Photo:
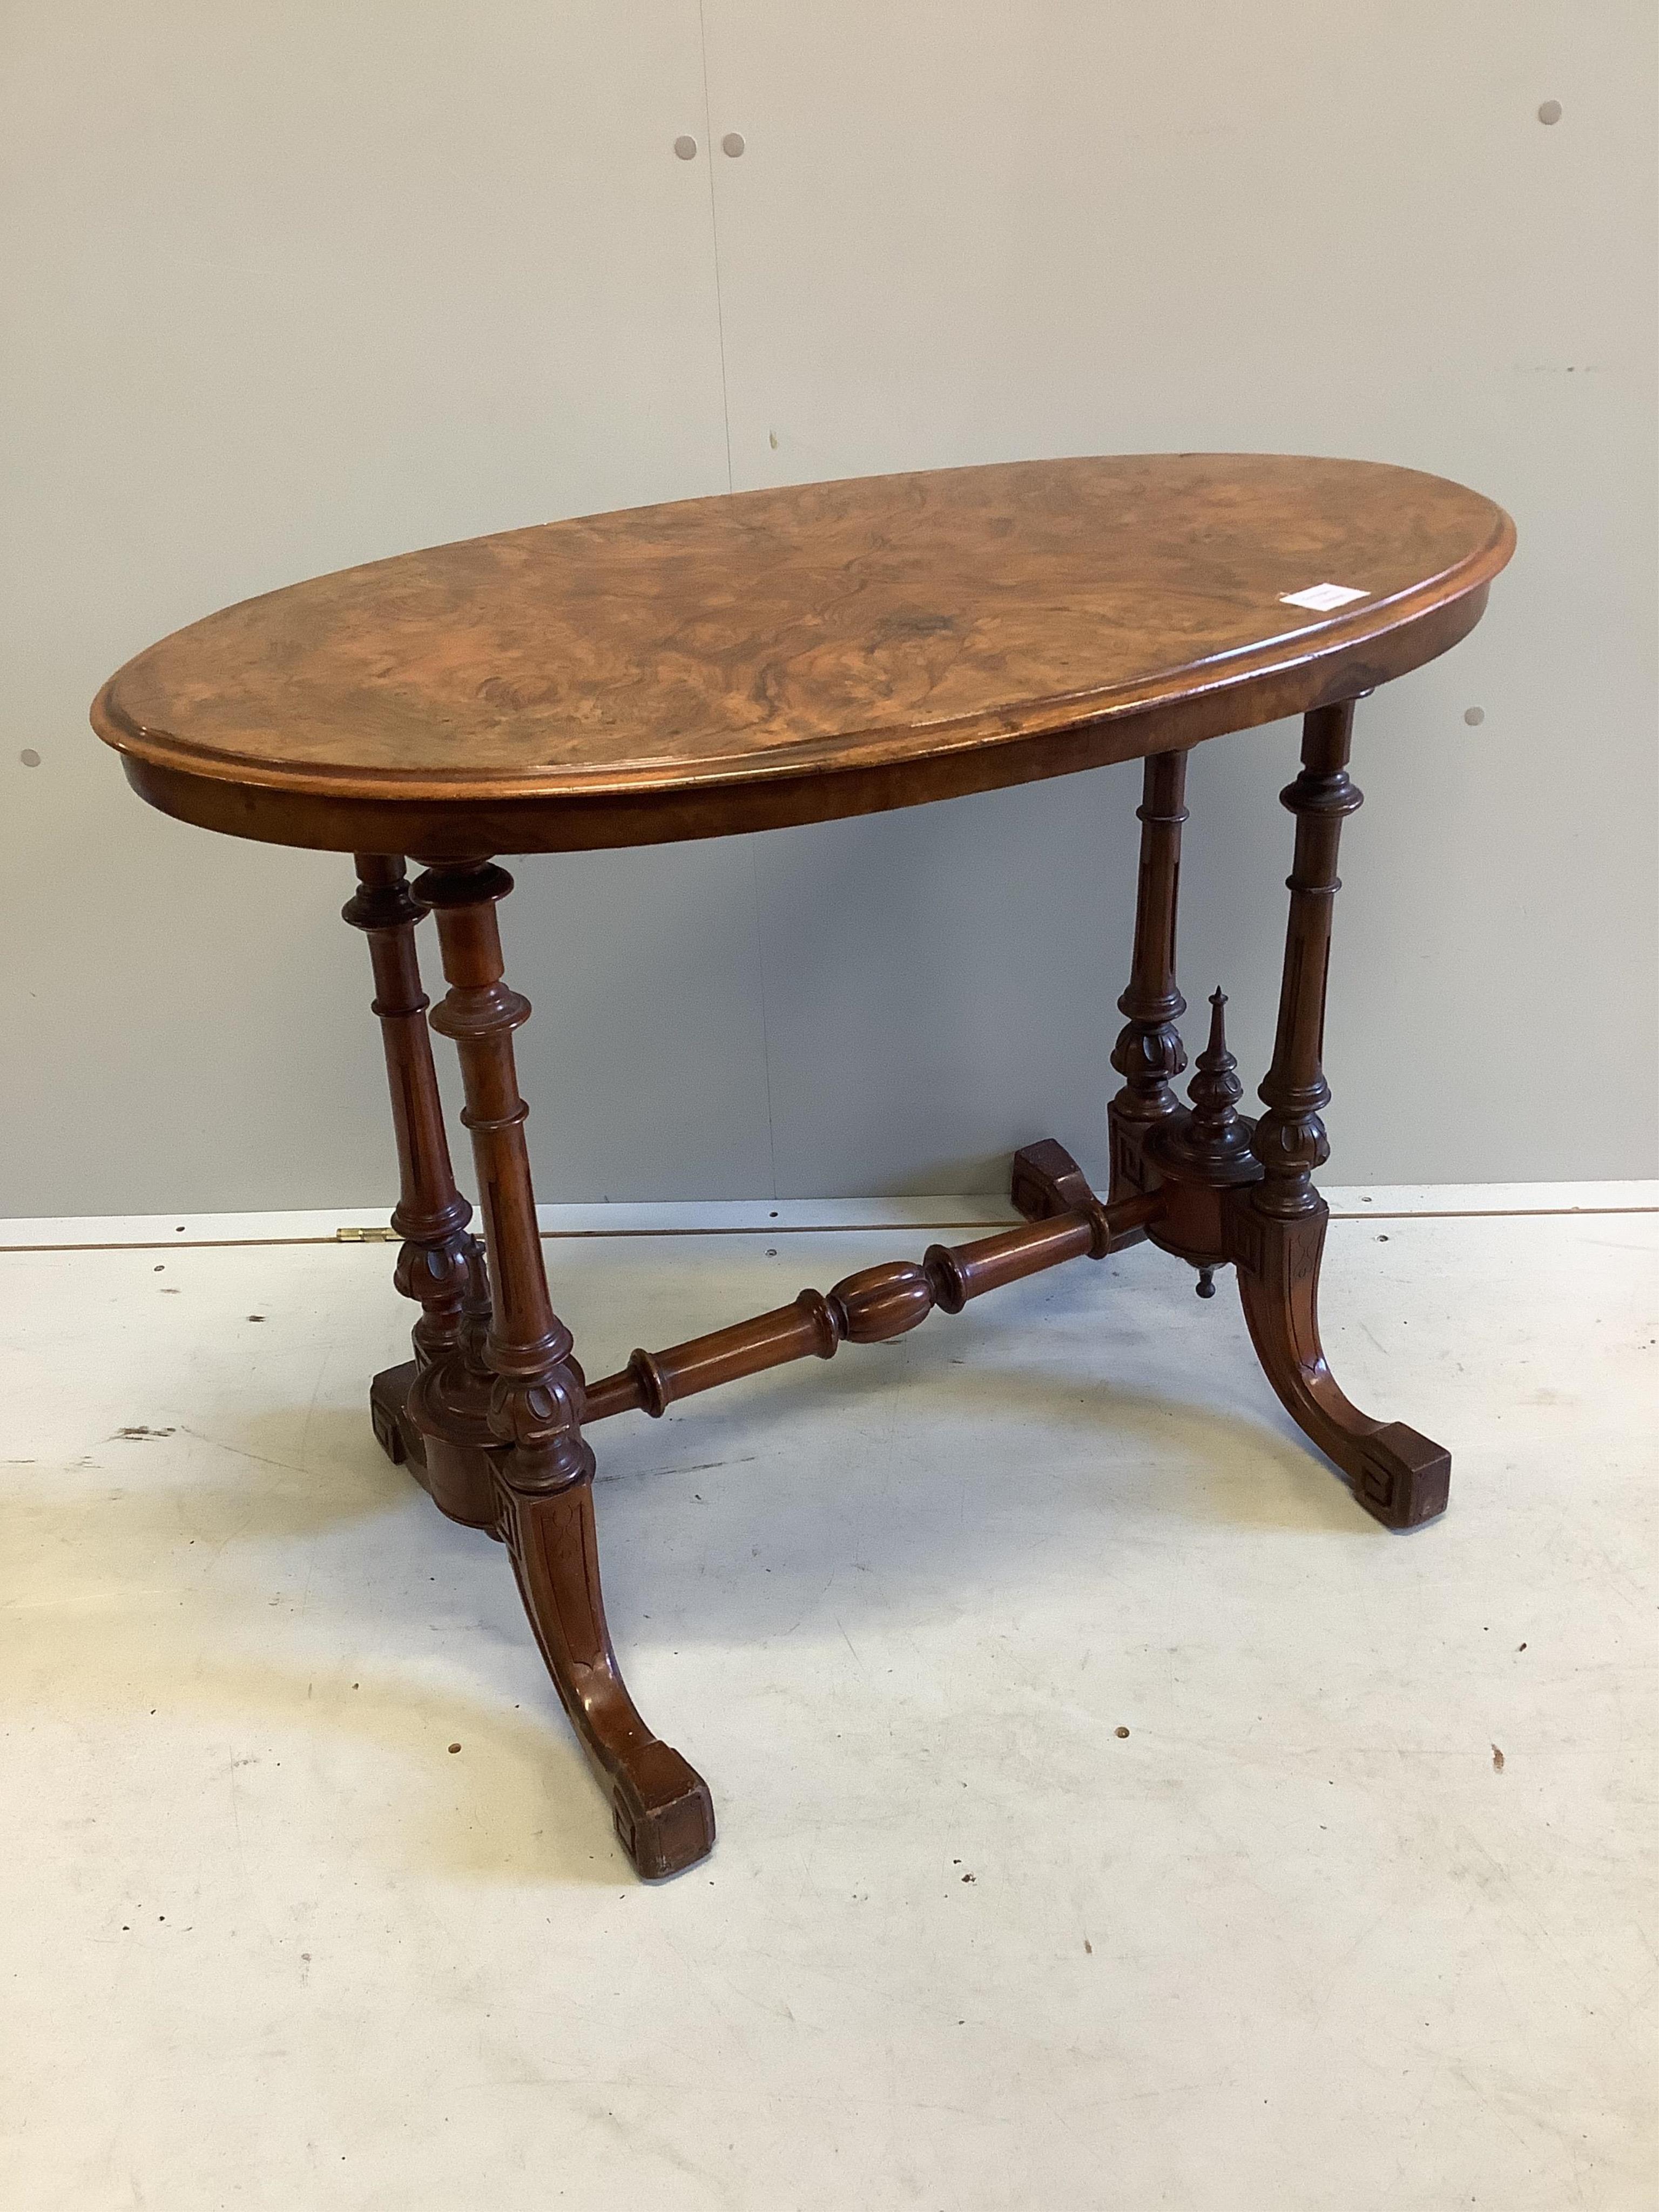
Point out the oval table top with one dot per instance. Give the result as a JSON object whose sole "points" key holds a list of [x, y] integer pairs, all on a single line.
{"points": [[792, 655]]}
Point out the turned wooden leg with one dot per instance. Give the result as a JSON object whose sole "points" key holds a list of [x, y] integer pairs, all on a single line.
{"points": [[1276, 1227], [661, 1806], [1148, 1055], [440, 1265]]}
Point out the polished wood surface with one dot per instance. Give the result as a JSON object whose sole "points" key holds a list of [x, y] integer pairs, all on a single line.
{"points": [[1148, 1054], [544, 1469], [792, 655], [441, 1265], [873, 1306]]}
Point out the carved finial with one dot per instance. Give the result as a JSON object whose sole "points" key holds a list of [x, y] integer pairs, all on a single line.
{"points": [[1215, 1090], [1207, 1147]]}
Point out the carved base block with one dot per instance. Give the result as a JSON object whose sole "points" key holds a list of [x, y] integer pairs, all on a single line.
{"points": [[1045, 1180], [395, 1433], [1130, 1174], [1402, 1478], [459, 1479], [663, 1814]]}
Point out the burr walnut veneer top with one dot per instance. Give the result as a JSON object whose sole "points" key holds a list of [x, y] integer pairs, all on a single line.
{"points": [[793, 655]]}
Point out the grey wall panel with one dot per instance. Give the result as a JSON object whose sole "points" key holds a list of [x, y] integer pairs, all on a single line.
{"points": [[287, 288], [645, 1062], [292, 287], [938, 984], [964, 232]]}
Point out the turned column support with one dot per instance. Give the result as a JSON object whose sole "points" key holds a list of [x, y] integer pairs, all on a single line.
{"points": [[660, 1806], [438, 1257], [440, 1265], [1289, 1137], [535, 1407], [1274, 1229], [1148, 1053]]}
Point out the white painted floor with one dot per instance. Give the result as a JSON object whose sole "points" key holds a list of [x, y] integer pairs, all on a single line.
{"points": [[1300, 1940]]}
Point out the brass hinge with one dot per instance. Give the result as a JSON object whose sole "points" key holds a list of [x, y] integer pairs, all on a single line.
{"points": [[365, 1237]]}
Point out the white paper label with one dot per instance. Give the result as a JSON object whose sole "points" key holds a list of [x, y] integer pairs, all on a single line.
{"points": [[1321, 598]]}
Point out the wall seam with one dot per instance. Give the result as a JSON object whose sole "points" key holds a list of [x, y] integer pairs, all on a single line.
{"points": [[714, 235]]}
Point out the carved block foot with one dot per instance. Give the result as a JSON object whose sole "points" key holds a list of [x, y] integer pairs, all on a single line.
{"points": [[1046, 1180], [1400, 1478], [663, 1812]]}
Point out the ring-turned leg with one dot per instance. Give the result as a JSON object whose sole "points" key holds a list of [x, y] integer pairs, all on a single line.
{"points": [[1276, 1228], [440, 1265], [1148, 1054], [662, 1809]]}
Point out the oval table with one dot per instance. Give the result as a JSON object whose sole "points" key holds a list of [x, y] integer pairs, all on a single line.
{"points": [[789, 656]]}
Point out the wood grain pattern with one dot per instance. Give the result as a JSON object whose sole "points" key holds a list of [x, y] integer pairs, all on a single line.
{"points": [[792, 655]]}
